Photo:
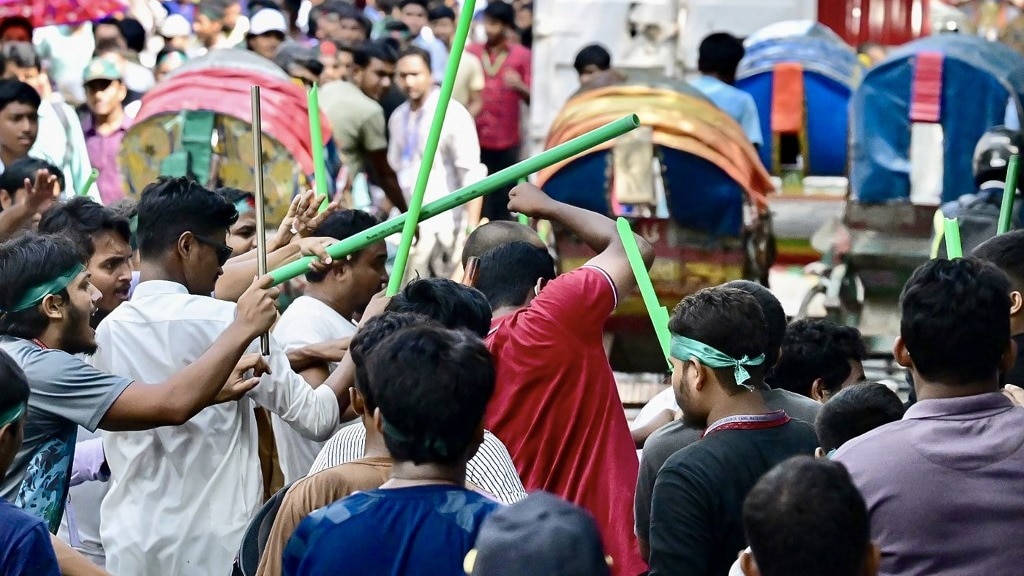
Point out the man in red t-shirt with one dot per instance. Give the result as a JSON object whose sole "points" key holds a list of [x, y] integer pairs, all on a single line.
{"points": [[506, 84], [555, 405]]}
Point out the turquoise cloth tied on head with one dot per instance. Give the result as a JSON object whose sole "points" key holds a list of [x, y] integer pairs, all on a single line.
{"points": [[685, 349]]}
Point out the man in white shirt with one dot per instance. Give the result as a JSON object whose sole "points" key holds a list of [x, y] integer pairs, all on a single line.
{"points": [[456, 164], [333, 299], [181, 497]]}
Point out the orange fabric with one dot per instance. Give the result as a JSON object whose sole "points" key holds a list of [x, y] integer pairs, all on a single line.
{"points": [[680, 121], [787, 98]]}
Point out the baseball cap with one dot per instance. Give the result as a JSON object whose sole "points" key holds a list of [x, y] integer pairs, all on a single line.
{"points": [[100, 69], [175, 26], [267, 20], [542, 535]]}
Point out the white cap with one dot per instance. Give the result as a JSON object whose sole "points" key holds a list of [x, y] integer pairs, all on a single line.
{"points": [[267, 20], [175, 26]]}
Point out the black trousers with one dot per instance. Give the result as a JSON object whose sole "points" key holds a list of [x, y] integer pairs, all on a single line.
{"points": [[496, 203]]}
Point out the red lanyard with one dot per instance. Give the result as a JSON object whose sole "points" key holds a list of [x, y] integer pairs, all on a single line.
{"points": [[749, 422]]}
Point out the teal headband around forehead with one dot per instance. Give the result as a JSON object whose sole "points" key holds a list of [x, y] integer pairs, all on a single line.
{"points": [[685, 349], [35, 294], [243, 206], [12, 414]]}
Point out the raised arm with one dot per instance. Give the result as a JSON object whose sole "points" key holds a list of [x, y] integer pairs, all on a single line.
{"points": [[239, 271], [198, 385], [596, 231]]}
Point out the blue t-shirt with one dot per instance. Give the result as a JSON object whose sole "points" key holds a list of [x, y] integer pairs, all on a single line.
{"points": [[734, 102], [25, 548], [422, 530]]}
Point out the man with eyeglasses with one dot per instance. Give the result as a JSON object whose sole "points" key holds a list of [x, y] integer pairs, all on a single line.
{"points": [[206, 471]]}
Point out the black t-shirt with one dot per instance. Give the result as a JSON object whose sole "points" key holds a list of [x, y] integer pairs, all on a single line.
{"points": [[696, 511]]}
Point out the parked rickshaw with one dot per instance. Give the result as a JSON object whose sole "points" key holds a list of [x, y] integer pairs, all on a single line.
{"points": [[692, 185], [197, 123], [915, 120]]}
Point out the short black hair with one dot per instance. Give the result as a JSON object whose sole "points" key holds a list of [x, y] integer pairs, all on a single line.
{"points": [[813, 349], [13, 177], [1006, 252], [441, 12], [455, 306], [806, 516], [374, 50], [372, 333], [955, 320], [405, 3], [774, 316], [510, 272], [417, 52], [235, 195], [720, 53], [172, 206], [16, 22], [14, 390], [16, 91], [432, 386], [215, 9], [80, 218], [592, 54], [501, 12], [29, 260], [855, 411], [341, 225], [22, 55], [727, 319], [134, 34], [493, 234], [348, 12]]}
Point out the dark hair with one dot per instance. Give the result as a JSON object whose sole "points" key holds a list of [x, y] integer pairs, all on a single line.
{"points": [[14, 390], [129, 210], [349, 12], [22, 55], [592, 54], [16, 22], [815, 349], [494, 234], [1006, 252], [341, 225], [455, 306], [405, 3], [720, 53], [955, 320], [370, 334], [727, 319], [417, 52], [172, 206], [215, 9], [234, 195], [16, 91], [134, 34], [80, 218], [27, 261], [432, 386], [373, 49], [805, 516], [501, 12], [440, 13], [13, 177], [774, 316], [510, 272], [106, 46], [854, 411]]}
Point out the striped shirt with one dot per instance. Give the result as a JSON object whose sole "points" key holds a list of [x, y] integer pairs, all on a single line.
{"points": [[491, 468]]}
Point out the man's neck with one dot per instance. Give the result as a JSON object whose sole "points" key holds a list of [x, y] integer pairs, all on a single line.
{"points": [[504, 311], [318, 292], [153, 271], [50, 337], [107, 124], [719, 77], [741, 404], [932, 390], [405, 474], [417, 104], [8, 156], [497, 46], [374, 446]]}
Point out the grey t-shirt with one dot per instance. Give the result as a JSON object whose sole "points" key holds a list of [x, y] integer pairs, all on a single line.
{"points": [[675, 436], [65, 393]]}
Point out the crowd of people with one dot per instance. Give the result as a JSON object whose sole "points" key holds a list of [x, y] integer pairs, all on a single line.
{"points": [[470, 424]]}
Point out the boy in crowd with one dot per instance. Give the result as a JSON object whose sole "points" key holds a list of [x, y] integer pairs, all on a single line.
{"points": [[1006, 252], [819, 358], [855, 411]]}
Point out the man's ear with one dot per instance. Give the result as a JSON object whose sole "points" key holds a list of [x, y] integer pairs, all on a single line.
{"points": [[187, 245], [901, 354], [356, 399], [819, 452], [818, 390], [6, 199], [1016, 301], [747, 563], [702, 374], [541, 283], [53, 306], [378, 420]]}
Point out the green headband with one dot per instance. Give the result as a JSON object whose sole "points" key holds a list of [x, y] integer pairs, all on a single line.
{"points": [[243, 206], [685, 349], [12, 414], [35, 294]]}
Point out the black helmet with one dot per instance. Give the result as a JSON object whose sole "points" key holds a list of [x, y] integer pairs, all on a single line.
{"points": [[993, 151]]}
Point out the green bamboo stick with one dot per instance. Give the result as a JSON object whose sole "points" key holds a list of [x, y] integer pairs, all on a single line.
{"points": [[461, 196], [1009, 191], [952, 233], [657, 312], [84, 190], [433, 137], [316, 137]]}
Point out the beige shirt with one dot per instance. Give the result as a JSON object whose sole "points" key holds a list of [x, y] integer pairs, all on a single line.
{"points": [[469, 78], [357, 122]]}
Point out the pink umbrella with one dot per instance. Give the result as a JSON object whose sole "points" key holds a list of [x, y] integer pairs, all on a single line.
{"points": [[51, 12]]}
